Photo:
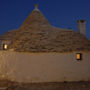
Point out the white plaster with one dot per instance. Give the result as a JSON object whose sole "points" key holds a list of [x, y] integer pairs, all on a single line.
{"points": [[44, 67], [82, 27], [36, 9]]}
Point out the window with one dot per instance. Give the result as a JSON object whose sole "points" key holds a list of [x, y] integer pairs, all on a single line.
{"points": [[5, 46], [79, 56]]}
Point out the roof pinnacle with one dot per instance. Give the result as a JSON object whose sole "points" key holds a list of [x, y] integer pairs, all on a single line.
{"points": [[36, 7]]}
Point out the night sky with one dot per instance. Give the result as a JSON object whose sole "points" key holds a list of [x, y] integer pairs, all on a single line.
{"points": [[60, 13]]}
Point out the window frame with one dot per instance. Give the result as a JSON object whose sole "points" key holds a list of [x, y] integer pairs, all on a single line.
{"points": [[4, 46], [80, 56]]}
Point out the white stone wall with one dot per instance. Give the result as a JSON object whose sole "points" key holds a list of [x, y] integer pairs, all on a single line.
{"points": [[44, 67]]}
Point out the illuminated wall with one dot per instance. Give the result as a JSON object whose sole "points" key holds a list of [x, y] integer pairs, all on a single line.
{"points": [[44, 67]]}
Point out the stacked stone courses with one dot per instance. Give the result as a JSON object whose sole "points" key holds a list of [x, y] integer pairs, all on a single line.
{"points": [[37, 35]]}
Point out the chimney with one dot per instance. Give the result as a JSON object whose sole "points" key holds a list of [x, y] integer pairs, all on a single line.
{"points": [[82, 26]]}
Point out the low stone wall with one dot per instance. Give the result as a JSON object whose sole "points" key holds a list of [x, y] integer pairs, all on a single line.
{"points": [[44, 67]]}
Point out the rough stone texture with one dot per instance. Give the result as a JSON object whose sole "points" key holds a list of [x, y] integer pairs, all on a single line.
{"points": [[37, 35], [8, 35]]}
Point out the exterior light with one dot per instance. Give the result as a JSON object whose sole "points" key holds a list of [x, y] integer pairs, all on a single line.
{"points": [[5, 46], [79, 56]]}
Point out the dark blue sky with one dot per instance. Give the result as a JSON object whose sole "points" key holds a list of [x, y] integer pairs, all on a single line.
{"points": [[60, 13]]}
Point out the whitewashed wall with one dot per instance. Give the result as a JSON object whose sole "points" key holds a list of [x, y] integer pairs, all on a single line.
{"points": [[44, 67]]}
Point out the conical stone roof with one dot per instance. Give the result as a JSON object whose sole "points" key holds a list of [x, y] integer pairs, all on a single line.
{"points": [[37, 35], [35, 18]]}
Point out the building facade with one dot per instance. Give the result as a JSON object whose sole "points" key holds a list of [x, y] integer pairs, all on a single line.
{"points": [[39, 52]]}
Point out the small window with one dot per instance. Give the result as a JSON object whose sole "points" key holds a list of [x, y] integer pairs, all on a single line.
{"points": [[5, 46], [79, 56]]}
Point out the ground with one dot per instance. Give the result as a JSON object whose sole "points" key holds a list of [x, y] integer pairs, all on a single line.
{"points": [[82, 85]]}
